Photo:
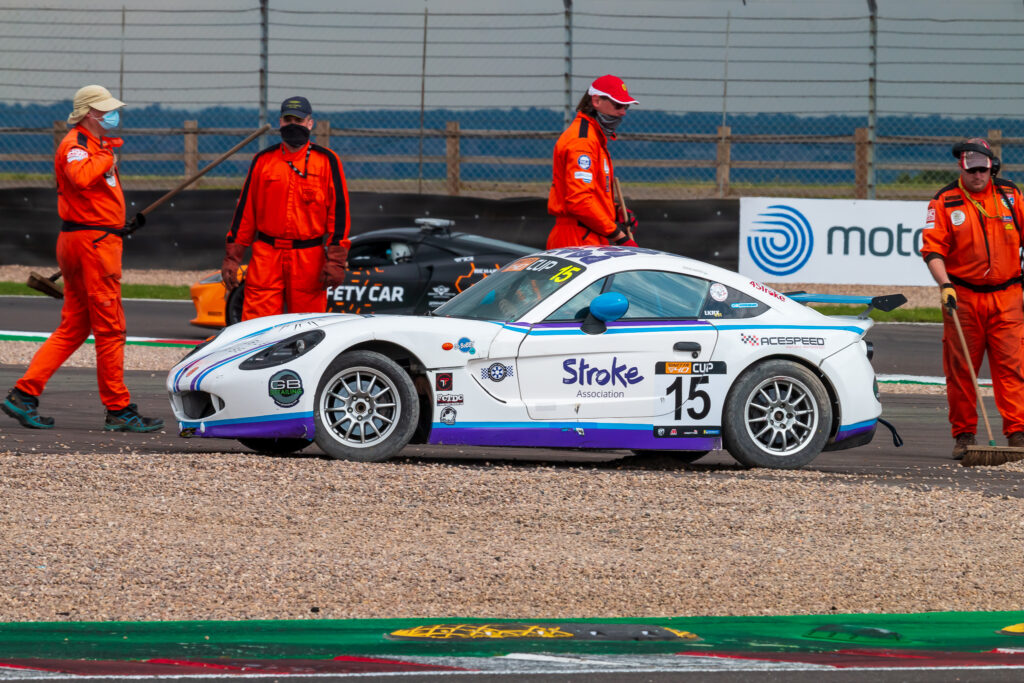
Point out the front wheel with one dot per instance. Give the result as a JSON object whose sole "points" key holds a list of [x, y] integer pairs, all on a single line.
{"points": [[234, 305], [366, 408], [778, 415]]}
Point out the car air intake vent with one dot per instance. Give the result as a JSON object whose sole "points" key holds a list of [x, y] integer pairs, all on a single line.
{"points": [[197, 404]]}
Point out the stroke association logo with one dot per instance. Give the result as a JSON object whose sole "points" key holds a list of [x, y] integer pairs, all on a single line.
{"points": [[785, 246]]}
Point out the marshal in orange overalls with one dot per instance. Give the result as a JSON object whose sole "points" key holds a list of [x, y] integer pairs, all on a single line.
{"points": [[91, 203], [581, 196], [982, 257], [292, 204]]}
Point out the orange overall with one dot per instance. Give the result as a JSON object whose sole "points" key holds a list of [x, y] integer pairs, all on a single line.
{"points": [[292, 204], [581, 196], [982, 257], [91, 203]]}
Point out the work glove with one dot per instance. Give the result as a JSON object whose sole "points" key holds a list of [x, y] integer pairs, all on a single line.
{"points": [[627, 226], [134, 224], [627, 238], [233, 254], [337, 264], [630, 222], [948, 294]]}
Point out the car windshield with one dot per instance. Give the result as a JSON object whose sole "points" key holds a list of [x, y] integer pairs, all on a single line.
{"points": [[513, 290]]}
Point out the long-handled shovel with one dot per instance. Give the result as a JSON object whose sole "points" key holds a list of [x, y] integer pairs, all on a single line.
{"points": [[48, 285], [982, 455], [622, 206]]}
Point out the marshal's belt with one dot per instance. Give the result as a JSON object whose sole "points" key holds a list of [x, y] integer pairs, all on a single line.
{"points": [[68, 226], [985, 289], [284, 243]]}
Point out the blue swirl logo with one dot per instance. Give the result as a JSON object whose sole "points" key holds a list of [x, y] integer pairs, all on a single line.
{"points": [[784, 247]]}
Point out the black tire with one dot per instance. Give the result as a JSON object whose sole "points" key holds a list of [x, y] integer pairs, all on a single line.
{"points": [[275, 446], [683, 456], [233, 306], [777, 415], [366, 408]]}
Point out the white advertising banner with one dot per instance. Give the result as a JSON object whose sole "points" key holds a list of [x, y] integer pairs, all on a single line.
{"points": [[837, 241]]}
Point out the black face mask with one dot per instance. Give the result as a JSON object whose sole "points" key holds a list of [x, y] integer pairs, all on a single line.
{"points": [[294, 135], [608, 123]]}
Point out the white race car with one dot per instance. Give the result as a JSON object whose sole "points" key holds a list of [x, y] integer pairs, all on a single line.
{"points": [[584, 348]]}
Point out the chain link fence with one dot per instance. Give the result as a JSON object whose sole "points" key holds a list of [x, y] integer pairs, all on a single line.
{"points": [[830, 99]]}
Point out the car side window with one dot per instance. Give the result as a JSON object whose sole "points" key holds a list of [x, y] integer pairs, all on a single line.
{"points": [[379, 253], [659, 294], [576, 307]]}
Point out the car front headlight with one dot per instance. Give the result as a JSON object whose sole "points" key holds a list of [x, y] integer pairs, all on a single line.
{"points": [[283, 351]]}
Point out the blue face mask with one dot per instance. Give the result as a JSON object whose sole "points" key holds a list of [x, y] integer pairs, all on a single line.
{"points": [[110, 120]]}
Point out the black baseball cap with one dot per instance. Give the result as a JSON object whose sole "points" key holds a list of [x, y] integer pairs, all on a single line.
{"points": [[297, 106]]}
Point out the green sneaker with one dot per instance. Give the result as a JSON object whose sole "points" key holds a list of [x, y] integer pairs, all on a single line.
{"points": [[127, 419], [24, 408]]}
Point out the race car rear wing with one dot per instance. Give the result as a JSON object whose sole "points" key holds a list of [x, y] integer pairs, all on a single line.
{"points": [[885, 303]]}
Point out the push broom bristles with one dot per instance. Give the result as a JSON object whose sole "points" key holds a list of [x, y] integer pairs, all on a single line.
{"points": [[991, 456]]}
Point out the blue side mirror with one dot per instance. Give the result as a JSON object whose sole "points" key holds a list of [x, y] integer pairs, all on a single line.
{"points": [[609, 306]]}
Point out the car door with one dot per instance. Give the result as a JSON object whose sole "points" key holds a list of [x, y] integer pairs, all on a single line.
{"points": [[633, 368], [383, 277]]}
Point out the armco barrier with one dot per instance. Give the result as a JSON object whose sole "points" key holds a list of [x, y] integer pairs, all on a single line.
{"points": [[188, 232]]}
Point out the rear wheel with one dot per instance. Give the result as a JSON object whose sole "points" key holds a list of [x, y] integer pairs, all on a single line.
{"points": [[275, 446], [778, 415], [366, 408]]}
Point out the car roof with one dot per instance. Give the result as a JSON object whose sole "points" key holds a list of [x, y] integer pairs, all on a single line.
{"points": [[443, 237], [600, 261]]}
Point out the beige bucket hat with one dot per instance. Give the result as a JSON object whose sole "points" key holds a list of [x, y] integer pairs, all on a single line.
{"points": [[92, 97]]}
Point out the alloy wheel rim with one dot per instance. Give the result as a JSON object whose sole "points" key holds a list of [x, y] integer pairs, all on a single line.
{"points": [[360, 407], [781, 415]]}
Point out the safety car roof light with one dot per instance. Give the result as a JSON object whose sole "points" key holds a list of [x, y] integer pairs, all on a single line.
{"points": [[435, 225]]}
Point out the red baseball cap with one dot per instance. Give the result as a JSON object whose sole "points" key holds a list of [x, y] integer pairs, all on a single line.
{"points": [[613, 88]]}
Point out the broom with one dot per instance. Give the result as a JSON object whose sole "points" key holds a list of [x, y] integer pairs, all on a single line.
{"points": [[982, 456]]}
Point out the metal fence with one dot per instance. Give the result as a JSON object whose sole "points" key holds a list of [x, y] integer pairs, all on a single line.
{"points": [[832, 98]]}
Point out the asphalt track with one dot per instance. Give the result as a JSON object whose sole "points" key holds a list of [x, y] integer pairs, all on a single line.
{"points": [[899, 349], [923, 462]]}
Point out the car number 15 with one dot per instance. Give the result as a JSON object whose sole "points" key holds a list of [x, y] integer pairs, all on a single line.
{"points": [[688, 387]]}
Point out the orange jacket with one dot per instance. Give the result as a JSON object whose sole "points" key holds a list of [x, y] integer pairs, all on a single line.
{"points": [[88, 186], [277, 201], [581, 187], [977, 249]]}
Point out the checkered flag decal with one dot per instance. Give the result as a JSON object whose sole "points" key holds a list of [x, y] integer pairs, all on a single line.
{"points": [[496, 372], [750, 339]]}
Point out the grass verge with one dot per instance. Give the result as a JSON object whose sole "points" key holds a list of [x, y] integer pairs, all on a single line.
{"points": [[900, 315], [170, 292]]}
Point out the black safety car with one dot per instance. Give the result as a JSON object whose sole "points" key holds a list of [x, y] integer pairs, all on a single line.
{"points": [[408, 270]]}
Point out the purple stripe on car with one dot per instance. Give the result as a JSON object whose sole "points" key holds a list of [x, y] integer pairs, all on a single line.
{"points": [[286, 428], [845, 434], [554, 437]]}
